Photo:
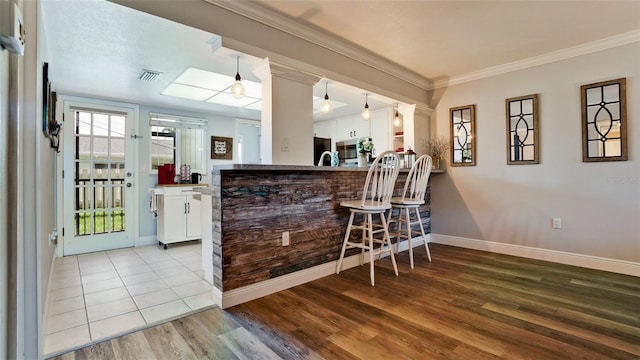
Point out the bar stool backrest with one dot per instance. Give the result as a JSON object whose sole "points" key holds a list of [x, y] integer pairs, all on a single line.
{"points": [[381, 179], [416, 185]]}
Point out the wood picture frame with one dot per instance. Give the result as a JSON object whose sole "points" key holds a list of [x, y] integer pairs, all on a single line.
{"points": [[462, 131], [523, 145], [221, 148], [604, 121]]}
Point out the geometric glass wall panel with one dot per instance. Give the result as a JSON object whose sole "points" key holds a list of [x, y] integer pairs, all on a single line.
{"points": [[462, 129], [604, 121], [522, 130]]}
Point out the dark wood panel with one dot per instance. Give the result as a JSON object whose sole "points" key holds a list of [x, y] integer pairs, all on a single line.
{"points": [[253, 208], [465, 304]]}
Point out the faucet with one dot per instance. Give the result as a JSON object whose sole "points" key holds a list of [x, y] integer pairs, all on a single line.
{"points": [[322, 157]]}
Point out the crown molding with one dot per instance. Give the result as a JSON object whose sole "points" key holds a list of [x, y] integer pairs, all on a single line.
{"points": [[575, 51], [272, 68], [276, 20]]}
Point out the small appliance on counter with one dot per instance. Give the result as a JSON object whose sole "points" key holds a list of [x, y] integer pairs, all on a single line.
{"points": [[409, 158], [196, 177], [166, 174], [185, 174]]}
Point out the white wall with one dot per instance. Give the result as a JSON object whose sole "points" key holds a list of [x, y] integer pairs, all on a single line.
{"points": [[599, 203], [45, 184]]}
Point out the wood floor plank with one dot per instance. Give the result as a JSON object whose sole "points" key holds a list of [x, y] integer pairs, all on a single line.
{"points": [[197, 335], [100, 351], [244, 345], [132, 346], [167, 343]]}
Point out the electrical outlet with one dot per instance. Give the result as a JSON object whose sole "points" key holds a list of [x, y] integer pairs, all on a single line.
{"points": [[556, 223], [285, 238], [284, 146]]}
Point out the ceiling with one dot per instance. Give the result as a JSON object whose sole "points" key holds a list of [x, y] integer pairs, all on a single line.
{"points": [[99, 48]]}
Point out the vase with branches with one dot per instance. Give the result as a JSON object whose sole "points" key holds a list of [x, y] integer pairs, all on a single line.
{"points": [[437, 147]]}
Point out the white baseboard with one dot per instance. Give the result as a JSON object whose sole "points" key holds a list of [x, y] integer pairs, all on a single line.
{"points": [[45, 308], [146, 240], [586, 261]]}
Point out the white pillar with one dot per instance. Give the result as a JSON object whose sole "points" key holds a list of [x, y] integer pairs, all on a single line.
{"points": [[416, 126], [287, 114], [421, 129]]}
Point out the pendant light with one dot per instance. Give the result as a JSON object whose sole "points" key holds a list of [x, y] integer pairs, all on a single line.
{"points": [[396, 117], [326, 104], [237, 89], [366, 114]]}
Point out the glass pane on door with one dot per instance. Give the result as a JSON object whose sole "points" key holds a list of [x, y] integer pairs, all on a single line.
{"points": [[99, 173]]}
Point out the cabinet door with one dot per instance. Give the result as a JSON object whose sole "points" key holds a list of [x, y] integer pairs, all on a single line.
{"points": [[194, 220], [174, 218], [322, 129], [361, 127], [344, 129], [380, 128]]}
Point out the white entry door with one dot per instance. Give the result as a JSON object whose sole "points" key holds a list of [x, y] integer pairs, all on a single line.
{"points": [[99, 153]]}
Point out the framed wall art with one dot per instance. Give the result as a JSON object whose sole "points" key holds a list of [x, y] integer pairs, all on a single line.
{"points": [[604, 121], [462, 129], [221, 148], [522, 130]]}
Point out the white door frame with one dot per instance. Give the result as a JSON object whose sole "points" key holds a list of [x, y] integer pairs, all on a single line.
{"points": [[74, 101]]}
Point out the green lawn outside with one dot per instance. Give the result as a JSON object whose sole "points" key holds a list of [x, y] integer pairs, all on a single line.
{"points": [[82, 222]]}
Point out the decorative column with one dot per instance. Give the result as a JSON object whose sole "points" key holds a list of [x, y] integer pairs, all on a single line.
{"points": [[421, 128], [287, 114]]}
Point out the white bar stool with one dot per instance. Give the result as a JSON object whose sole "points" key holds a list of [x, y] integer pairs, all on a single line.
{"points": [[376, 197], [413, 194]]}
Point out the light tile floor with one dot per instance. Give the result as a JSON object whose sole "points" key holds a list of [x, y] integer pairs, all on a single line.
{"points": [[104, 294]]}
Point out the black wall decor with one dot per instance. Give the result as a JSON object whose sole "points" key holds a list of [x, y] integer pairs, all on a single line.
{"points": [[50, 126]]}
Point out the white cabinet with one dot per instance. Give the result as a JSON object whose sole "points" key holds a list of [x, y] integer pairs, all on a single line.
{"points": [[380, 129], [351, 127], [179, 216], [322, 129]]}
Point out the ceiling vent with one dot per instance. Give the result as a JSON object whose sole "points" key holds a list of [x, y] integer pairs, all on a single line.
{"points": [[149, 75]]}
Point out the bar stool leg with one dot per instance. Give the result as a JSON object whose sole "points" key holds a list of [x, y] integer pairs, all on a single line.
{"points": [[344, 243], [407, 216], [364, 236], [370, 230], [388, 239], [424, 237]]}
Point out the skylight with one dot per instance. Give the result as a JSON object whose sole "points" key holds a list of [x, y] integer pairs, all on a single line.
{"points": [[205, 86], [200, 85]]}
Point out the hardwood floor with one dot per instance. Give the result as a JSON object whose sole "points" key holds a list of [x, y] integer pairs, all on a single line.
{"points": [[466, 304]]}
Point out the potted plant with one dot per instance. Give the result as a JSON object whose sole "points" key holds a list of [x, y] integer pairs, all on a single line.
{"points": [[438, 147], [365, 149]]}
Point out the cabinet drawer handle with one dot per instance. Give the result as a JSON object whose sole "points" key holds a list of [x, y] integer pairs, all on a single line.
{"points": [[188, 208], [185, 208]]}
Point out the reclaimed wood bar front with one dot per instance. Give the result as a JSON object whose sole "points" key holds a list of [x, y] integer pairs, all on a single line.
{"points": [[253, 205]]}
